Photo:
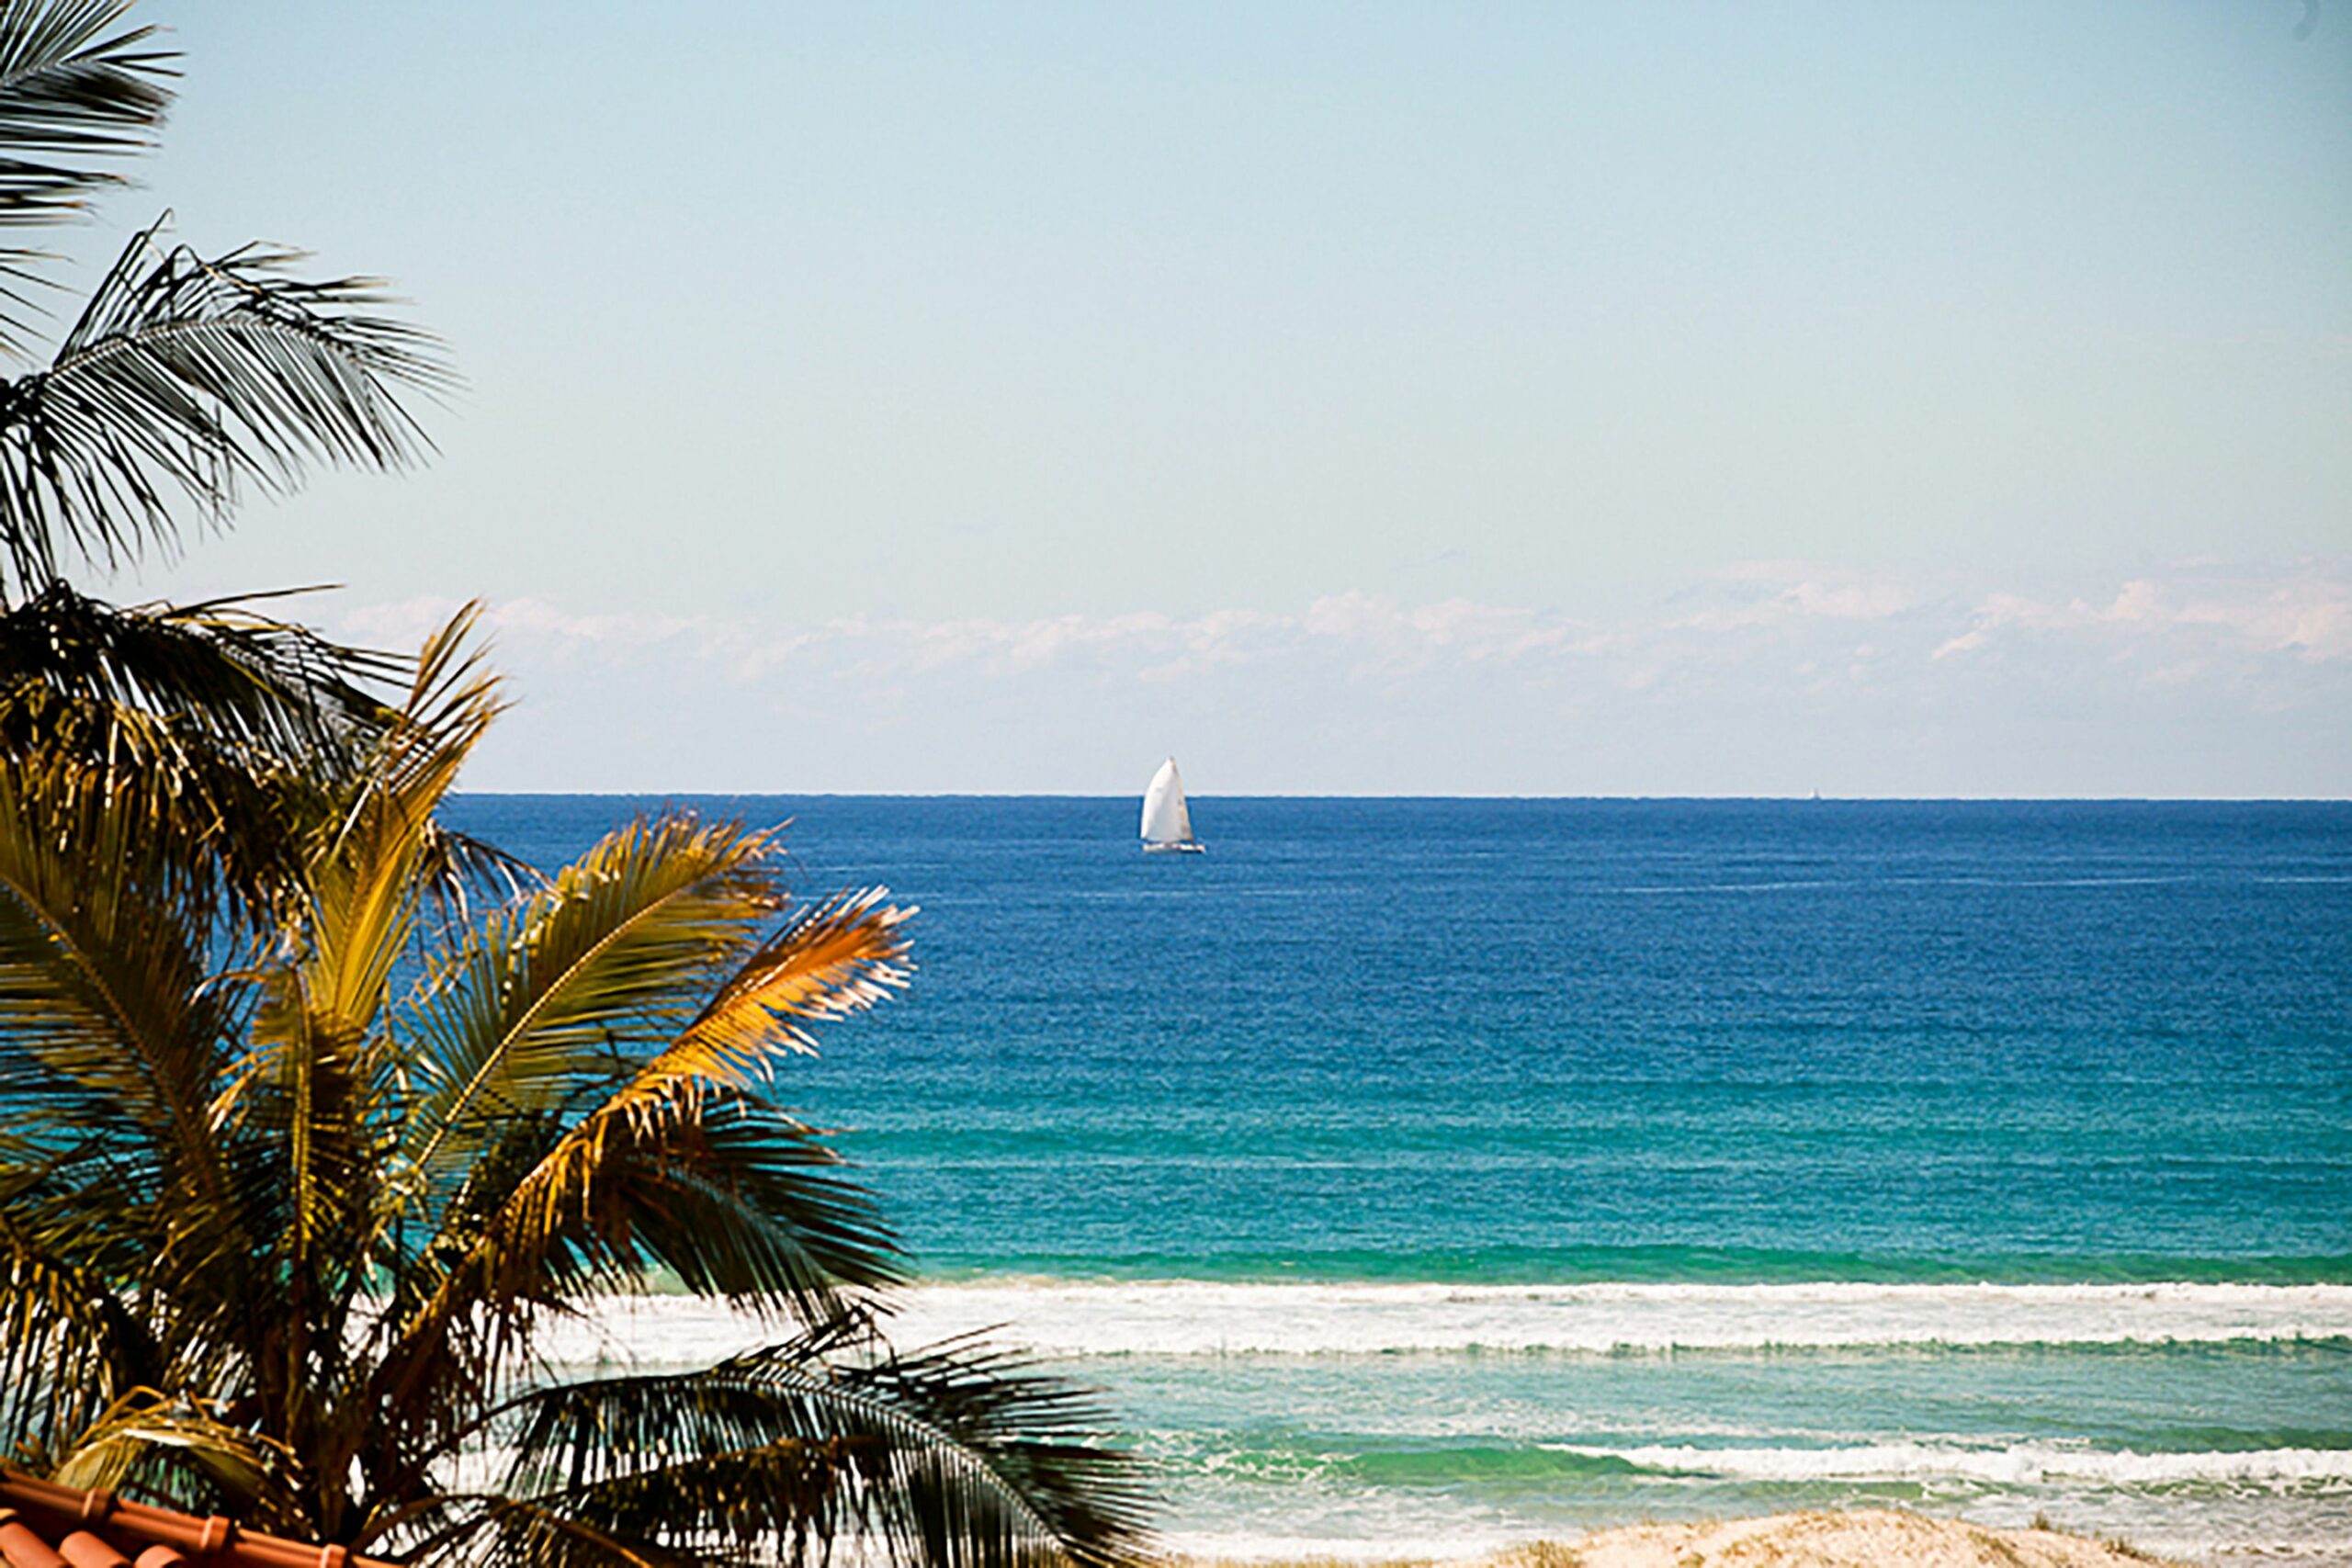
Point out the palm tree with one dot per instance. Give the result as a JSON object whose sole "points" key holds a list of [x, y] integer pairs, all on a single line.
{"points": [[298, 1157], [283, 1222], [182, 380]]}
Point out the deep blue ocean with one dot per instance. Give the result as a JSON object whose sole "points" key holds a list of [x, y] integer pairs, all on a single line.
{"points": [[1424, 1175]]}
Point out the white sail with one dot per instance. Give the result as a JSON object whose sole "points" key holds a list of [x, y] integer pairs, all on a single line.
{"points": [[1165, 819]]}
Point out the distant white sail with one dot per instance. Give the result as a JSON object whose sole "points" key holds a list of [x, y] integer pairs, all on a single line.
{"points": [[1167, 823]]}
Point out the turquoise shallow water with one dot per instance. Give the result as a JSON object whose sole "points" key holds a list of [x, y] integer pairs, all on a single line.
{"points": [[1429, 1173]]}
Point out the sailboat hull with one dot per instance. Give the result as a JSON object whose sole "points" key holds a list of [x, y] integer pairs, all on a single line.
{"points": [[1181, 849]]}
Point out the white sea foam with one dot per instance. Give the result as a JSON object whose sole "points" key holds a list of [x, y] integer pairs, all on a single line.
{"points": [[2020, 1465], [1064, 1318]]}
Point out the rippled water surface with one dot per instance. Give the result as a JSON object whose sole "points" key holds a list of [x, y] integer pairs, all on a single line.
{"points": [[1427, 1174]]}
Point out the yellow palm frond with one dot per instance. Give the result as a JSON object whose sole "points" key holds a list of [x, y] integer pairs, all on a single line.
{"points": [[366, 890], [65, 1346], [561, 994], [157, 1436], [576, 1214], [835, 959]]}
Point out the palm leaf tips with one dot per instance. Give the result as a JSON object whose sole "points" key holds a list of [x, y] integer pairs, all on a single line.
{"points": [[73, 82], [185, 379], [79, 91]]}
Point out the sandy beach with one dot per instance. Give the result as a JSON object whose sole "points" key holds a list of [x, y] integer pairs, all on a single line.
{"points": [[1870, 1538]]}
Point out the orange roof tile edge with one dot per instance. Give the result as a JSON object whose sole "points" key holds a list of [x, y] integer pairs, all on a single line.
{"points": [[43, 1525]]}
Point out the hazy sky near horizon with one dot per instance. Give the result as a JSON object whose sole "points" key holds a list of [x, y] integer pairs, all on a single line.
{"points": [[1561, 399]]}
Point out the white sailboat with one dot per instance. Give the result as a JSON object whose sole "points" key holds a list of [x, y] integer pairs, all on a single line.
{"points": [[1167, 822]]}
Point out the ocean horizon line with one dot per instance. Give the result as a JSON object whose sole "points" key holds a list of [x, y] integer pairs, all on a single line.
{"points": [[702, 794]]}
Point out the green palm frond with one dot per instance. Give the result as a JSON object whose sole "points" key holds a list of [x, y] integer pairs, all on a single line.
{"points": [[462, 870], [315, 1092], [826, 962], [488, 1528], [750, 1204], [743, 1203], [737, 1200], [833, 959], [187, 378], [116, 1034], [954, 1455], [77, 93]]}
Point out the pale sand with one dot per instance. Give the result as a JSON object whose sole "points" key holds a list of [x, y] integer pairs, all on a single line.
{"points": [[1876, 1538], [1867, 1538]]}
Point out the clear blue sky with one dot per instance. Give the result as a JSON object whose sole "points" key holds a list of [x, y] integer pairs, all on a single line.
{"points": [[1626, 399]]}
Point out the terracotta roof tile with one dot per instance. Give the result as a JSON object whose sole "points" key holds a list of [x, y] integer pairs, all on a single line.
{"points": [[43, 1525]]}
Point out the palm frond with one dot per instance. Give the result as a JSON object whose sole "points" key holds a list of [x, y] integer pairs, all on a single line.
{"points": [[117, 1034], [77, 93], [746, 1205], [68, 1345], [187, 378], [181, 1449], [369, 874], [461, 868], [221, 675], [833, 959], [571, 989], [738, 1201], [954, 1455], [103, 923], [946, 1456], [312, 1094], [826, 962], [566, 1204], [76, 86], [228, 720]]}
